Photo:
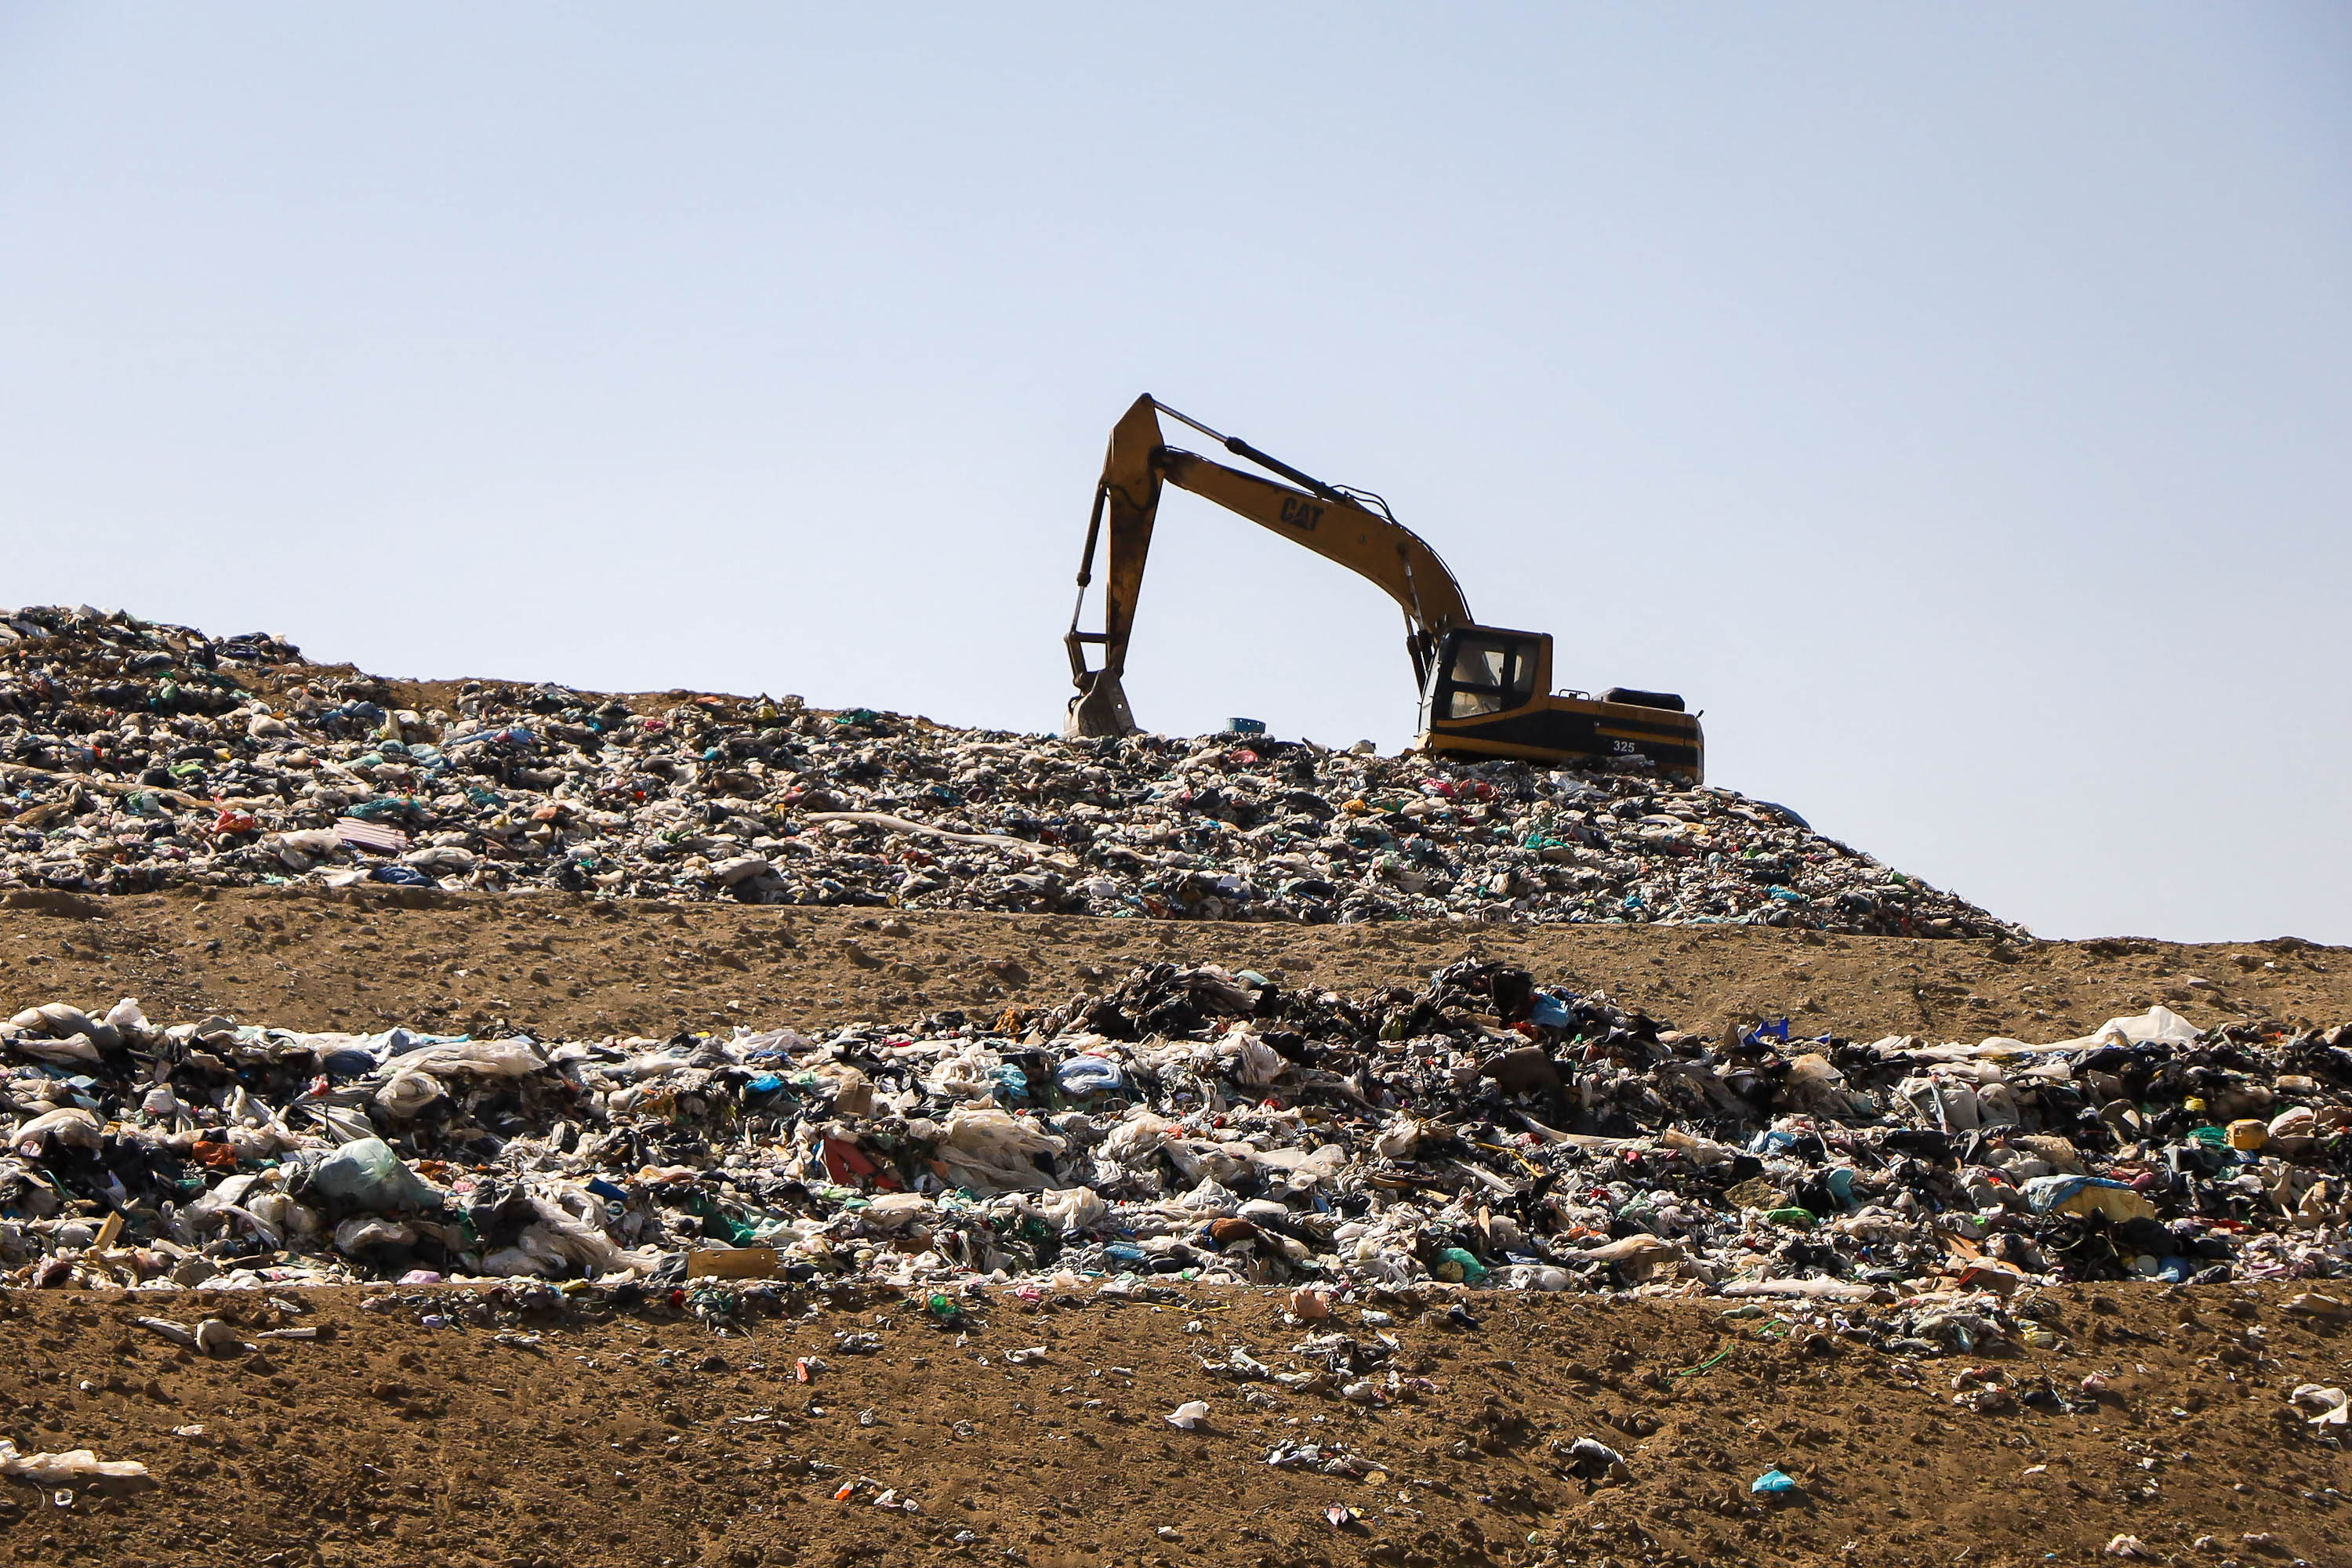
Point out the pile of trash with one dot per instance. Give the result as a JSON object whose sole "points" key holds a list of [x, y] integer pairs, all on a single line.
{"points": [[136, 756], [1196, 1123]]}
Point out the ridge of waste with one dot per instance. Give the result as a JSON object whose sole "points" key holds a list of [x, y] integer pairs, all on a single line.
{"points": [[1194, 1122], [136, 756]]}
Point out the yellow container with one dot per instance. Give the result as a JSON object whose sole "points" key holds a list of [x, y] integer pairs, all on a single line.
{"points": [[2248, 1134]]}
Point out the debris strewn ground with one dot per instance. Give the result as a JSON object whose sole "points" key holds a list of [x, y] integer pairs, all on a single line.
{"points": [[781, 1137], [529, 1426], [1204, 1122], [143, 756]]}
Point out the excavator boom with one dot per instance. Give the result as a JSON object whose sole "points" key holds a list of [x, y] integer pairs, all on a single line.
{"points": [[1332, 522], [1338, 527]]}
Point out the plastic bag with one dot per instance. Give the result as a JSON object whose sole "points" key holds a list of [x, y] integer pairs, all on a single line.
{"points": [[71, 1468], [67, 1126], [1089, 1074], [366, 1175], [992, 1151], [516, 1057], [407, 1093]]}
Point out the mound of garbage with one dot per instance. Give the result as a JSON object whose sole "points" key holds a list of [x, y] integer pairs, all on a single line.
{"points": [[1198, 1123], [141, 756]]}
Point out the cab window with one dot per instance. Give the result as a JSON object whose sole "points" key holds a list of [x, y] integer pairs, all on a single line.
{"points": [[1468, 702], [1486, 676], [1479, 664]]}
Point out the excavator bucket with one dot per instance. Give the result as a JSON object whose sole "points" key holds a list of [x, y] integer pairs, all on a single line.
{"points": [[1099, 709]]}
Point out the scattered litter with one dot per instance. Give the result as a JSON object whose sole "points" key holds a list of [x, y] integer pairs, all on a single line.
{"points": [[148, 755], [74, 1466], [1260, 1134], [2329, 1402], [1593, 1459]]}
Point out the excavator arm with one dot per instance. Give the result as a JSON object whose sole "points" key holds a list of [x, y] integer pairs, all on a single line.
{"points": [[1353, 530]]}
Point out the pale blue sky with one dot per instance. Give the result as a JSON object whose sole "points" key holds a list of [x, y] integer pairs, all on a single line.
{"points": [[1953, 402]]}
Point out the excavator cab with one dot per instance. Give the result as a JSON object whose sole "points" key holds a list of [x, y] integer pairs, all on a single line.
{"points": [[1485, 670], [1489, 695]]}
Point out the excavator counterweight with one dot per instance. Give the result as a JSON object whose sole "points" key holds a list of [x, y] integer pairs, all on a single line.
{"points": [[1485, 691]]}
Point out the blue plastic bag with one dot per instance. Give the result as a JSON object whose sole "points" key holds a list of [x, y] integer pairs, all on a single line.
{"points": [[1088, 1075]]}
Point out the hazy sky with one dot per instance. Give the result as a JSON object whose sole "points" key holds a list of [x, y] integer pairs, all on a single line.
{"points": [[1953, 402]]}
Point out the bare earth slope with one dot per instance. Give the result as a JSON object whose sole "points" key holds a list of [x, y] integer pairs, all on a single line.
{"points": [[640, 1436]]}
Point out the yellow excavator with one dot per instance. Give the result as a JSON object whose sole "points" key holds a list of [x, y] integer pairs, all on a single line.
{"points": [[1485, 691]]}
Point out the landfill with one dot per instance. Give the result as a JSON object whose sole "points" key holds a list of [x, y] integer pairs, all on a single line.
{"points": [[1474, 1267], [1185, 1124], [137, 757]]}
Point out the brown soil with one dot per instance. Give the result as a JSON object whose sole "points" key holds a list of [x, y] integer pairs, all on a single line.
{"points": [[565, 966], [645, 1437]]}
